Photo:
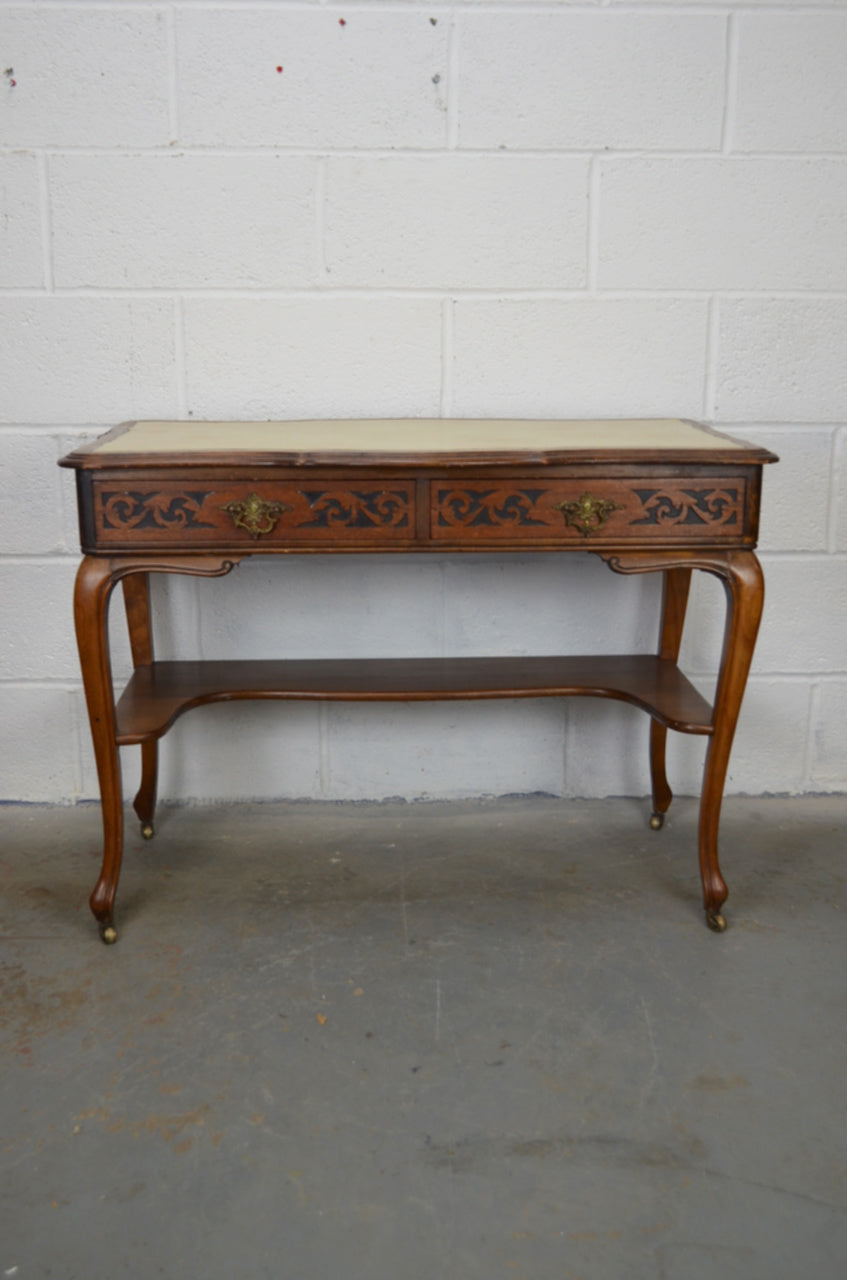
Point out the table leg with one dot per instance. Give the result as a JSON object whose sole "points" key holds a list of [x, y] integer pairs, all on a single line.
{"points": [[136, 588], [94, 582], [744, 586], [743, 582], [675, 590]]}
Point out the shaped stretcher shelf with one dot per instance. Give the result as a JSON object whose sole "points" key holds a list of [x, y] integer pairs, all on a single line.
{"points": [[158, 694]]}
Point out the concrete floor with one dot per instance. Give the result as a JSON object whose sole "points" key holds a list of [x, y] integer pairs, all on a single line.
{"points": [[425, 1042]]}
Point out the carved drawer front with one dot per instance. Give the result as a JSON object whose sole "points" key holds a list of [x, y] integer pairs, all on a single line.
{"points": [[587, 511], [252, 513]]}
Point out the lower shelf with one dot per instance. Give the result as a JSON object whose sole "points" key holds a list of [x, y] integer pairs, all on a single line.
{"points": [[157, 694]]}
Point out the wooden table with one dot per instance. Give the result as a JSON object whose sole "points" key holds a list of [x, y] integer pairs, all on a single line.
{"points": [[196, 498]]}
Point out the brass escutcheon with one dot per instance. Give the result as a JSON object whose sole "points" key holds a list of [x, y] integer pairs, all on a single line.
{"points": [[587, 513], [255, 514]]}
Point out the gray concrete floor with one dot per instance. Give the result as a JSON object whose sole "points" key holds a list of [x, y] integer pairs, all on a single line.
{"points": [[425, 1041]]}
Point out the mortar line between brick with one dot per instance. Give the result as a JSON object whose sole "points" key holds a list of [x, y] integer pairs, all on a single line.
{"points": [[321, 185], [711, 367], [492, 292], [46, 222], [70, 429], [21, 682], [41, 559], [317, 150], [179, 357], [786, 677], [808, 753], [730, 85], [837, 459], [388, 151], [447, 317], [453, 70], [170, 37], [771, 557], [399, 152], [592, 229], [515, 8]]}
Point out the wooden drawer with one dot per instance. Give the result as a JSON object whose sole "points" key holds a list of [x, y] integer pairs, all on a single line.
{"points": [[247, 514], [588, 511], [580, 511]]}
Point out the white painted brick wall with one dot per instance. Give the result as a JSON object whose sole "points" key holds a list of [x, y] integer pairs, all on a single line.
{"points": [[613, 357], [356, 78], [792, 92], [86, 76], [591, 81], [446, 222], [780, 358], [719, 223], [30, 482], [66, 359], [22, 263], [312, 357], [159, 221], [513, 207]]}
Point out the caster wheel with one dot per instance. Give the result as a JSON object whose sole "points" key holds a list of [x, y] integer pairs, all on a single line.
{"points": [[657, 821], [109, 934], [715, 921], [147, 831]]}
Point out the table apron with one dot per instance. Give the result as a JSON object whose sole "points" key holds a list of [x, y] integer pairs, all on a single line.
{"points": [[441, 512]]}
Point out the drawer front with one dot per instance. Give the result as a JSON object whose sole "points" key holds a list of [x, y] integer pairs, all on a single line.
{"points": [[257, 514], [589, 511]]}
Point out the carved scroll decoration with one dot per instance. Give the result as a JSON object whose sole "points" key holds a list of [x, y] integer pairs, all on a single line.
{"points": [[356, 509], [689, 506], [492, 508], [125, 510]]}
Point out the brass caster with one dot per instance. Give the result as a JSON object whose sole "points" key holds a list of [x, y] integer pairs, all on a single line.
{"points": [[147, 831], [109, 934], [657, 821], [715, 921]]}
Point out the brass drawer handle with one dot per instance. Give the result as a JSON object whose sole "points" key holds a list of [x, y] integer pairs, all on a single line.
{"points": [[587, 513], [255, 514]]}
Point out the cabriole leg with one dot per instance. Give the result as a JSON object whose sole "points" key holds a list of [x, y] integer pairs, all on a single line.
{"points": [[144, 803], [94, 582], [136, 588], [675, 587], [743, 582]]}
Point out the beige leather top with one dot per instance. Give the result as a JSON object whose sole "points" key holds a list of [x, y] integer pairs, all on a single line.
{"points": [[415, 435]]}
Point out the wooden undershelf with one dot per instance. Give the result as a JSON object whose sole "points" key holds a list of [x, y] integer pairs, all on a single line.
{"points": [[156, 695]]}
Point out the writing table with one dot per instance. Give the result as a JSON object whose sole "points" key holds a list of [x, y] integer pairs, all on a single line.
{"points": [[197, 497]]}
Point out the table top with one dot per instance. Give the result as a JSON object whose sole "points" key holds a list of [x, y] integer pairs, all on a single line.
{"points": [[415, 441]]}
